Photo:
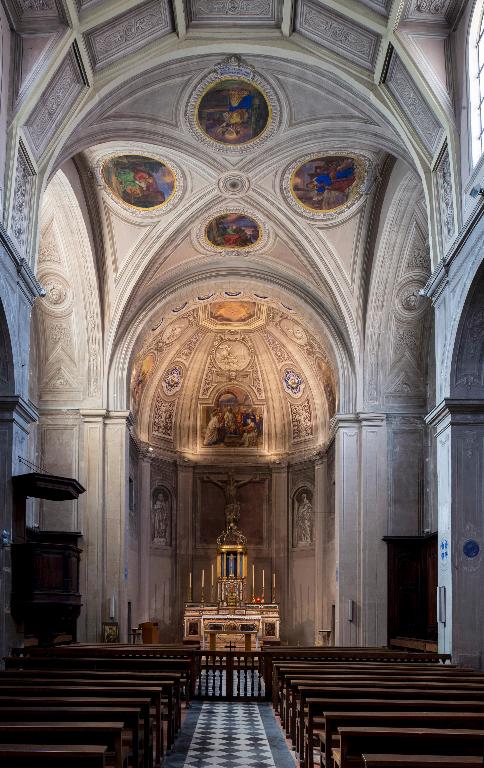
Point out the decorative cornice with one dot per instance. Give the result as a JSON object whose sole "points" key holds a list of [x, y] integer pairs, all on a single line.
{"points": [[128, 32], [456, 412], [32, 287], [439, 278], [407, 95], [16, 408], [338, 33]]}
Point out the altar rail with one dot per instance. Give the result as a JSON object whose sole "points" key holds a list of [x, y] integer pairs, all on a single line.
{"points": [[229, 675]]}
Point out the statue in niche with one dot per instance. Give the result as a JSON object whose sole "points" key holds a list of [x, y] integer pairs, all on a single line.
{"points": [[161, 517], [303, 518]]}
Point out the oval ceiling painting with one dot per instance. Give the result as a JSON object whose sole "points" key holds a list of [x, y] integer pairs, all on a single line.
{"points": [[323, 184], [233, 230], [142, 182], [233, 112]]}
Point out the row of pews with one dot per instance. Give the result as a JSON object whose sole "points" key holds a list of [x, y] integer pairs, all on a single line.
{"points": [[379, 709], [92, 706]]}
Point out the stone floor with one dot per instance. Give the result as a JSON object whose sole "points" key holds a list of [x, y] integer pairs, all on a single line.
{"points": [[230, 735]]}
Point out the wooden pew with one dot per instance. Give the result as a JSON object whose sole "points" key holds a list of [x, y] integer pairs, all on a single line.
{"points": [[129, 715], [378, 690], [392, 718], [104, 734], [296, 688], [21, 699], [355, 741], [421, 761], [317, 708], [48, 755], [169, 686], [41, 689], [348, 687]]}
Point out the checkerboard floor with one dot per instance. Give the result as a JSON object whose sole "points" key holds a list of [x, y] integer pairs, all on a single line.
{"points": [[230, 735]]}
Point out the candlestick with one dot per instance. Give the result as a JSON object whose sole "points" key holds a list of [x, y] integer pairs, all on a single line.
{"points": [[274, 587], [212, 576], [203, 585], [190, 589], [253, 582], [263, 585], [112, 612]]}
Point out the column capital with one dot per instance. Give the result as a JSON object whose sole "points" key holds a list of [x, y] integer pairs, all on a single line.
{"points": [[16, 408], [118, 416], [455, 412], [93, 414]]}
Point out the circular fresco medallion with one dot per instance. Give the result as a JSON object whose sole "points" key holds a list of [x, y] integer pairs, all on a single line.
{"points": [[233, 111], [232, 356], [139, 181], [324, 186], [233, 230]]}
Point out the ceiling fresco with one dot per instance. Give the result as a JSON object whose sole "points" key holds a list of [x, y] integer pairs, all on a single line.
{"points": [[233, 111], [141, 182]]}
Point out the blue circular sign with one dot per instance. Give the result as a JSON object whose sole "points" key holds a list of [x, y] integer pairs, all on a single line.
{"points": [[471, 548]]}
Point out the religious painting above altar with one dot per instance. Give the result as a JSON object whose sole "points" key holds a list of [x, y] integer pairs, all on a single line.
{"points": [[232, 311], [233, 111], [139, 181], [234, 422]]}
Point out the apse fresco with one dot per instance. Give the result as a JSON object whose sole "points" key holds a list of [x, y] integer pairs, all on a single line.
{"points": [[141, 371], [233, 112], [326, 183], [233, 230], [232, 311], [232, 422], [142, 182]]}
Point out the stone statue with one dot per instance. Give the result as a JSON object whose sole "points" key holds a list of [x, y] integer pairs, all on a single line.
{"points": [[160, 517], [304, 521]]}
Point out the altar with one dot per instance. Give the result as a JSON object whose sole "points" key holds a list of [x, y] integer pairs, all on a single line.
{"points": [[232, 617], [247, 627]]}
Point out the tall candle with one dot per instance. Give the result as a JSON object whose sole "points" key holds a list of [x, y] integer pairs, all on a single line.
{"points": [[262, 579], [253, 576], [274, 580], [203, 578], [190, 579], [112, 613], [212, 576]]}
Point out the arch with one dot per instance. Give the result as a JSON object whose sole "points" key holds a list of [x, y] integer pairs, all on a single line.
{"points": [[7, 379], [467, 375]]}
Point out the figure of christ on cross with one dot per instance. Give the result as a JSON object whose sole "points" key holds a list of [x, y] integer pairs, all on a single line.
{"points": [[229, 488]]}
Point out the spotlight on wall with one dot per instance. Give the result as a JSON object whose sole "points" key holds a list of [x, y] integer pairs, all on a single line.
{"points": [[477, 192]]}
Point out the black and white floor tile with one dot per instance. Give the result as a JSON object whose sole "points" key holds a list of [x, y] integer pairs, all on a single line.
{"points": [[230, 735]]}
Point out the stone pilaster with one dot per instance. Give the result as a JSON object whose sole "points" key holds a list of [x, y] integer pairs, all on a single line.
{"points": [[280, 542], [459, 426], [320, 537], [347, 514], [91, 506], [116, 458], [184, 536], [16, 416], [372, 527], [145, 539]]}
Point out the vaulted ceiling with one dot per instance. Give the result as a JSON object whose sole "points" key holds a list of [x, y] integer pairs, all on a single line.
{"points": [[362, 81]]}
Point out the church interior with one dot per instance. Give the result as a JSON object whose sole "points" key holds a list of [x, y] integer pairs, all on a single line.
{"points": [[242, 375]]}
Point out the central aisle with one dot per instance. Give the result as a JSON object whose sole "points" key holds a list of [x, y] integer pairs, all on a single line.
{"points": [[230, 735]]}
